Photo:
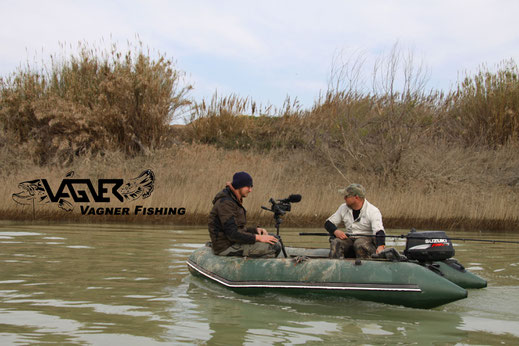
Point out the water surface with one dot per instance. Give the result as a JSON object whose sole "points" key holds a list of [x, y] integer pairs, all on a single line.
{"points": [[129, 284]]}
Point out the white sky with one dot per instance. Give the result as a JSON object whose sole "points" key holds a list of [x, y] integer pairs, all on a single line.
{"points": [[269, 49]]}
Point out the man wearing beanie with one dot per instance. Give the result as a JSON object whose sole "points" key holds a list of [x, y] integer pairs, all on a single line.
{"points": [[359, 217], [227, 223]]}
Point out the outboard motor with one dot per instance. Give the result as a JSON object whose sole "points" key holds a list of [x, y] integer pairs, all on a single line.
{"points": [[426, 246]]}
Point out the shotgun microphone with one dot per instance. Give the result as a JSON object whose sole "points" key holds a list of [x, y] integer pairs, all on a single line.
{"points": [[292, 199]]}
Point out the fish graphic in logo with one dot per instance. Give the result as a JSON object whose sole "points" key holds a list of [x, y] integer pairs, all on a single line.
{"points": [[142, 186], [34, 193]]}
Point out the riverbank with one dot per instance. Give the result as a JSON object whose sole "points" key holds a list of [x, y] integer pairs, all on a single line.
{"points": [[428, 158], [188, 176]]}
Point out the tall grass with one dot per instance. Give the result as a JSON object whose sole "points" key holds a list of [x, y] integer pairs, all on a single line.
{"points": [[426, 157], [91, 102], [485, 108], [190, 175], [370, 126], [234, 122]]}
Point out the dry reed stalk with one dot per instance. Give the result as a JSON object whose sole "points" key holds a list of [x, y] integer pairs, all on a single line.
{"points": [[106, 114], [190, 176], [484, 110], [92, 102]]}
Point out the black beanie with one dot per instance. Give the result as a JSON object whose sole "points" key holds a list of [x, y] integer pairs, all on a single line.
{"points": [[241, 179]]}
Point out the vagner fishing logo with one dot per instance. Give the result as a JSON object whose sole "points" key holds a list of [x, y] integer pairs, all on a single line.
{"points": [[71, 190]]}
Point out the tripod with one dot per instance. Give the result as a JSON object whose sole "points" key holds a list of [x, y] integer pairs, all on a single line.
{"points": [[277, 217]]}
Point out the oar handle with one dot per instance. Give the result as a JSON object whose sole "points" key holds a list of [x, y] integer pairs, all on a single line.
{"points": [[402, 236], [318, 234], [350, 235]]}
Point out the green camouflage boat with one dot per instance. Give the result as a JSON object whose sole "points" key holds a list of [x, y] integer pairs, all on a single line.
{"points": [[418, 284]]}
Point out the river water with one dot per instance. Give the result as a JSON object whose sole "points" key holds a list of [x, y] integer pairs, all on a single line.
{"points": [[129, 284]]}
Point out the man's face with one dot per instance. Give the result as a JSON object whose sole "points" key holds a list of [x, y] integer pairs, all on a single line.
{"points": [[244, 191], [350, 200]]}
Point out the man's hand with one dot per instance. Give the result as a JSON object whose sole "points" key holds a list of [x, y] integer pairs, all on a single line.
{"points": [[340, 234], [380, 249], [261, 231], [265, 238]]}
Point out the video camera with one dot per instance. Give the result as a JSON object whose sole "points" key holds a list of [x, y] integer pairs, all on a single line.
{"points": [[282, 205]]}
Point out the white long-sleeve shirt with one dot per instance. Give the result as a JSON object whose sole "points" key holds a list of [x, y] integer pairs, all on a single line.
{"points": [[368, 222]]}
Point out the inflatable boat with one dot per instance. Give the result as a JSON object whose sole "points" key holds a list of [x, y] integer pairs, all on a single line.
{"points": [[426, 276]]}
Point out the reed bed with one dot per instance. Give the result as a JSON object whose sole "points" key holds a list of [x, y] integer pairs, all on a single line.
{"points": [[189, 176], [428, 159]]}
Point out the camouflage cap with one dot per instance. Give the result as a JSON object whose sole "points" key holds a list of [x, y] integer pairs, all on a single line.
{"points": [[354, 190]]}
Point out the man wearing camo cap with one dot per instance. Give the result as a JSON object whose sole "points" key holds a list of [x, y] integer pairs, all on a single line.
{"points": [[358, 217]]}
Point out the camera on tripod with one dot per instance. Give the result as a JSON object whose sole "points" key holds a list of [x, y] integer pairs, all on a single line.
{"points": [[281, 207]]}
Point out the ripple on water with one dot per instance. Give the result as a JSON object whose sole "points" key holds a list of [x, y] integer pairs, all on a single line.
{"points": [[191, 245], [180, 251], [19, 234], [159, 301], [375, 329], [489, 325]]}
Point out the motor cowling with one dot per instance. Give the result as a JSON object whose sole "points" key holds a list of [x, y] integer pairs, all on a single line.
{"points": [[428, 246]]}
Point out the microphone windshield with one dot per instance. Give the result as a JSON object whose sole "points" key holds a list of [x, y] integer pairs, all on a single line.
{"points": [[294, 198]]}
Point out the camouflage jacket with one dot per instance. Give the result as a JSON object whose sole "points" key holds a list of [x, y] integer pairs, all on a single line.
{"points": [[227, 222]]}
